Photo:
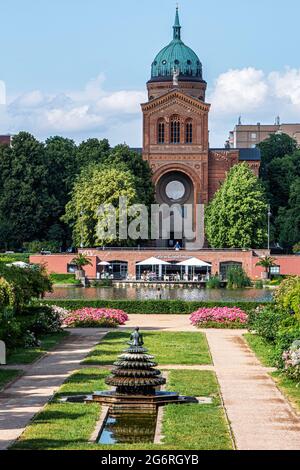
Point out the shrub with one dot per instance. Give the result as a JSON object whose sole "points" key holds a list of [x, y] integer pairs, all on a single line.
{"points": [[27, 283], [213, 283], [30, 340], [230, 317], [151, 306], [11, 330], [288, 332], [6, 293], [38, 246], [42, 319], [288, 295], [237, 278], [265, 322], [259, 284], [291, 359], [93, 317], [102, 283]]}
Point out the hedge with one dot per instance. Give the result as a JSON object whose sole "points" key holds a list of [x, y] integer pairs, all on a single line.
{"points": [[152, 306]]}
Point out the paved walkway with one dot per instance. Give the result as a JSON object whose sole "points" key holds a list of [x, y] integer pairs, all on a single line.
{"points": [[260, 416], [160, 322], [25, 397]]}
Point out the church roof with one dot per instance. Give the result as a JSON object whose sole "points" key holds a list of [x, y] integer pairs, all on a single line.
{"points": [[176, 55]]}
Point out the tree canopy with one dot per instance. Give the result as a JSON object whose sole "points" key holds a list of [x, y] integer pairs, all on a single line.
{"points": [[280, 171], [37, 180], [25, 201], [98, 185], [237, 216]]}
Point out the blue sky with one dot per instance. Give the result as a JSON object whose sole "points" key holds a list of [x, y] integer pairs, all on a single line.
{"points": [[51, 52]]}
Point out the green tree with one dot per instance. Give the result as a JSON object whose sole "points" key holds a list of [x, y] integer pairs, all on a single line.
{"points": [[267, 262], [237, 216], [279, 166], [130, 160], [25, 201], [92, 151], [61, 161], [80, 261], [288, 220], [276, 146], [98, 185]]}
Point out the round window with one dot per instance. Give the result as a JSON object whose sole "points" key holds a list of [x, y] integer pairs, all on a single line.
{"points": [[175, 190], [164, 62], [176, 62], [189, 62]]}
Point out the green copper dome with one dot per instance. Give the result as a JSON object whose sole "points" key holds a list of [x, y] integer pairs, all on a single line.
{"points": [[176, 56]]}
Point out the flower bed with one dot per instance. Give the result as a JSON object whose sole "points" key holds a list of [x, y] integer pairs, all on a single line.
{"points": [[96, 317], [219, 317]]}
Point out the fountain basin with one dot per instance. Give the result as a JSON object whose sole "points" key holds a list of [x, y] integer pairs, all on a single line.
{"points": [[118, 401]]}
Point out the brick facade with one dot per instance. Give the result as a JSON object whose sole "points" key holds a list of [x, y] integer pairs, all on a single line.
{"points": [[184, 151], [289, 265]]}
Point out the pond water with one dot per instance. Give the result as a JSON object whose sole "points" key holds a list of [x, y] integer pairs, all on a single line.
{"points": [[165, 293], [128, 428]]}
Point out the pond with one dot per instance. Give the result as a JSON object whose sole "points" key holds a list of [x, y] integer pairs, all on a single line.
{"points": [[165, 293]]}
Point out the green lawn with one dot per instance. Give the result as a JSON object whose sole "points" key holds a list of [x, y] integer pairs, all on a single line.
{"points": [[64, 279], [69, 426], [290, 388], [263, 349], [27, 356], [7, 376], [168, 348]]}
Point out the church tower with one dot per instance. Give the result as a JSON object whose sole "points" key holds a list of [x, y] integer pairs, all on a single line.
{"points": [[175, 126]]}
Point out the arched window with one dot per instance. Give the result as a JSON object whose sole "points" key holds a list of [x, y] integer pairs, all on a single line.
{"points": [[175, 130], [161, 132], [189, 132]]}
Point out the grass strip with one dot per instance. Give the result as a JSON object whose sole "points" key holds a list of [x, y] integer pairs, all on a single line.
{"points": [[7, 376], [27, 356], [264, 350], [168, 347], [68, 425]]}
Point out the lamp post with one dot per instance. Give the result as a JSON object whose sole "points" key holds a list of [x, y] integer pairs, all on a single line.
{"points": [[269, 225], [81, 229]]}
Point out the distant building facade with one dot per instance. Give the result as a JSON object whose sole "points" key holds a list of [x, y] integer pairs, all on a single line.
{"points": [[5, 139], [248, 136]]}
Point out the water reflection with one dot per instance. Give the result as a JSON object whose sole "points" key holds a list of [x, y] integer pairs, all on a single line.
{"points": [[122, 428], [165, 293]]}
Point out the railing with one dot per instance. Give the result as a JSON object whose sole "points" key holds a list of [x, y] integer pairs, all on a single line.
{"points": [[141, 248]]}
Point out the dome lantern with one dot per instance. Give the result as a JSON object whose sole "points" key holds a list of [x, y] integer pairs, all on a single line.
{"points": [[176, 56]]}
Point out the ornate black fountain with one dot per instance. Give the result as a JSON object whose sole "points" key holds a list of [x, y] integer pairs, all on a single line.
{"points": [[136, 381]]}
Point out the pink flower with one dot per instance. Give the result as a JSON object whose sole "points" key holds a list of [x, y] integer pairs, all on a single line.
{"points": [[219, 315], [96, 316]]}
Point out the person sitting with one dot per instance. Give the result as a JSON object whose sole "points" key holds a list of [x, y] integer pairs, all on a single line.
{"points": [[177, 246]]}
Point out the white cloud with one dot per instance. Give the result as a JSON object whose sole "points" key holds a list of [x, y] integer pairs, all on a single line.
{"points": [[256, 96], [286, 85], [238, 91], [122, 101], [2, 93], [95, 112], [92, 111]]}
